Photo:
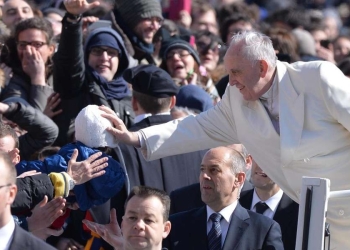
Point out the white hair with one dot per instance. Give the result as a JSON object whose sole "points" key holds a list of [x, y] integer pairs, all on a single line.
{"points": [[256, 46]]}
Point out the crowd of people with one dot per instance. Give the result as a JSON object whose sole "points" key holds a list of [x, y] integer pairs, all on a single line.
{"points": [[154, 124]]}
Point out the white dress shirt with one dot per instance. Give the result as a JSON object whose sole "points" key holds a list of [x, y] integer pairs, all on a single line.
{"points": [[272, 203], [6, 235], [225, 222]]}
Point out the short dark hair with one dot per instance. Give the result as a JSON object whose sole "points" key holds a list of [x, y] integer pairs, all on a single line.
{"points": [[151, 104], [35, 23], [12, 173], [6, 130], [147, 192], [48, 151]]}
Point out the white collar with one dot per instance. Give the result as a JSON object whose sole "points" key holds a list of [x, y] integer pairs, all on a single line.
{"points": [[225, 212], [139, 118], [272, 202], [6, 234], [270, 92]]}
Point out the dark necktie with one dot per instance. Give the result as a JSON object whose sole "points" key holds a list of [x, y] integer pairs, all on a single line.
{"points": [[214, 236], [261, 207]]}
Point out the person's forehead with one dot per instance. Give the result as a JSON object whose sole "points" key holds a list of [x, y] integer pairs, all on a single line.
{"points": [[15, 4], [215, 156], [7, 143], [145, 206]]}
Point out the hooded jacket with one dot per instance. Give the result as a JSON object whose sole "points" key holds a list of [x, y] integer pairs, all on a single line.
{"points": [[76, 86]]}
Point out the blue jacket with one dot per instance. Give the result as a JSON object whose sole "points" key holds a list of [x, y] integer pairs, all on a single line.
{"points": [[92, 193]]}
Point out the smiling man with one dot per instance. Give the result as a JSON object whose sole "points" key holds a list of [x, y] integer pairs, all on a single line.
{"points": [[267, 198], [138, 20]]}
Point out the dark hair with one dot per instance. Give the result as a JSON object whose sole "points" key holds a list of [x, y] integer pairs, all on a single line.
{"points": [[294, 17], [35, 23], [284, 42], [48, 151], [231, 20], [6, 130], [147, 192], [344, 66], [10, 56], [12, 173], [168, 29], [151, 104]]}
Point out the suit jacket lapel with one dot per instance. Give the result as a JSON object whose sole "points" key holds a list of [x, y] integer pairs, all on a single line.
{"points": [[246, 199], [283, 209], [198, 230], [291, 114], [238, 224]]}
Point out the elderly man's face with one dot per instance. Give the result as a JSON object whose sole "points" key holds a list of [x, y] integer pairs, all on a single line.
{"points": [[147, 28], [15, 11], [246, 76]]}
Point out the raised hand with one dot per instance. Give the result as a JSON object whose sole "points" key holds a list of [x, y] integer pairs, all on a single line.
{"points": [[34, 66], [110, 232], [77, 7], [84, 171], [45, 213], [52, 102], [119, 131]]}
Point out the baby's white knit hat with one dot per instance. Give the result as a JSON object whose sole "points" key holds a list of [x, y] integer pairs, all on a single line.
{"points": [[90, 128]]}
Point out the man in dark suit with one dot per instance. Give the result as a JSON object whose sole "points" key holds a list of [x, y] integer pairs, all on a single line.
{"points": [[189, 197], [11, 235], [222, 223], [268, 199]]}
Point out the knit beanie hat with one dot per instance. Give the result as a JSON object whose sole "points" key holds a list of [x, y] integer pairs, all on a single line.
{"points": [[133, 11], [90, 128], [103, 39], [174, 43]]}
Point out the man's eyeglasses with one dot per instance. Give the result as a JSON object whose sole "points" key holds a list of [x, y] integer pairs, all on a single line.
{"points": [[7, 185], [180, 53], [98, 51], [155, 20], [21, 45]]}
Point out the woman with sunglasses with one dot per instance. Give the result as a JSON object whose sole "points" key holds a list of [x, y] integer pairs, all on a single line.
{"points": [[28, 52], [90, 73]]}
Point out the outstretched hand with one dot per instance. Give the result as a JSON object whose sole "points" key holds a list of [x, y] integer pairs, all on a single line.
{"points": [[77, 7], [84, 171], [110, 232], [45, 213], [119, 130]]}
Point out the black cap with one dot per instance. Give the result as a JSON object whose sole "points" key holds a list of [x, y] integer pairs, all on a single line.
{"points": [[151, 80]]}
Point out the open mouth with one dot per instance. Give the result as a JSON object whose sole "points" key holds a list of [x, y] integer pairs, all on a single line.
{"points": [[261, 174]]}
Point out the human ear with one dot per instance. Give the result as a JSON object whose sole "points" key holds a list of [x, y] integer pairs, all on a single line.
{"points": [[240, 178], [263, 66], [167, 228]]}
